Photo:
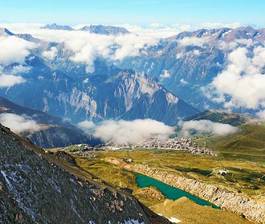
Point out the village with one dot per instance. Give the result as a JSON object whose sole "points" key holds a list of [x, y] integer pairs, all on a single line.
{"points": [[178, 144]]}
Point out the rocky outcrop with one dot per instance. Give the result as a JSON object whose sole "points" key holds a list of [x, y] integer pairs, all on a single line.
{"points": [[231, 201], [37, 187], [150, 193]]}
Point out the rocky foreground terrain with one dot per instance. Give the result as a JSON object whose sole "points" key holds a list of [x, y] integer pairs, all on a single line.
{"points": [[232, 201], [38, 187]]}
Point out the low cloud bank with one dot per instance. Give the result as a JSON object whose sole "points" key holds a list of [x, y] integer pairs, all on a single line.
{"points": [[206, 127], [128, 132], [261, 115], [242, 82], [14, 50], [194, 41], [20, 124], [10, 80], [87, 126]]}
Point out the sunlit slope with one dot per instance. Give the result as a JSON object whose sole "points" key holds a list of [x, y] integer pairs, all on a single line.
{"points": [[248, 143]]}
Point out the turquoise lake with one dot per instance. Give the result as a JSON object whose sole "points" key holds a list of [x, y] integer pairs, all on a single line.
{"points": [[168, 191]]}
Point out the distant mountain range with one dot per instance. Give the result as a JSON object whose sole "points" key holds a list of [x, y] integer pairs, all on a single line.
{"points": [[97, 29], [107, 30], [191, 60], [163, 82], [61, 88]]}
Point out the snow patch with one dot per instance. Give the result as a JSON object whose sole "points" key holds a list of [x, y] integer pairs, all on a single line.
{"points": [[171, 98]]}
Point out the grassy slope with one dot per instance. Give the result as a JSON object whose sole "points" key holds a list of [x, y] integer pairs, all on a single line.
{"points": [[222, 117], [183, 208], [247, 144]]}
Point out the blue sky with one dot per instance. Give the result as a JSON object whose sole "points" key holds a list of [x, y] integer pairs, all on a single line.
{"points": [[251, 12]]}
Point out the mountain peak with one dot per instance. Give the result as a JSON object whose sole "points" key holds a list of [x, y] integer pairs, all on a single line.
{"points": [[55, 26], [105, 30], [5, 32]]}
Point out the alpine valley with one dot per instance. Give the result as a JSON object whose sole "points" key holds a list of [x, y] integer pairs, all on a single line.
{"points": [[118, 124]]}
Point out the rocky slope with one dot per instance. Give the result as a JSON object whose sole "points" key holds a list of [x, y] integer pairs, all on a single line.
{"points": [[49, 131], [38, 188], [231, 201]]}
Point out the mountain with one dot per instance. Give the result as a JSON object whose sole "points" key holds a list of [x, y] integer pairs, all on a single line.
{"points": [[185, 64], [97, 29], [105, 30], [55, 26], [42, 129], [189, 61], [64, 90], [38, 187], [5, 32]]}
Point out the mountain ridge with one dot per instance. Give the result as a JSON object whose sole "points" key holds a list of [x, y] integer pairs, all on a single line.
{"points": [[57, 133]]}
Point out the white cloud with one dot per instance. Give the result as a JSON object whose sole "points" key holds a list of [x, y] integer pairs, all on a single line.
{"points": [[85, 46], [261, 115], [184, 82], [220, 25], [14, 50], [20, 124], [10, 80], [206, 126], [87, 126], [166, 74], [194, 41], [155, 30], [132, 132], [20, 69], [50, 54], [242, 81]]}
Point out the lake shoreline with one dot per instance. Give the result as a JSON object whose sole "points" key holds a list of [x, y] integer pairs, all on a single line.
{"points": [[170, 192], [228, 200]]}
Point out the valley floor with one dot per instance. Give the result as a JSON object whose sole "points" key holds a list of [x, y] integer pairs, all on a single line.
{"points": [[117, 169]]}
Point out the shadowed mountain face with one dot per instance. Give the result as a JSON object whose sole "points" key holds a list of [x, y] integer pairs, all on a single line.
{"points": [[37, 188], [49, 132]]}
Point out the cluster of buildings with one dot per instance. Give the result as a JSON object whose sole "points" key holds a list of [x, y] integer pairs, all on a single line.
{"points": [[181, 144]]}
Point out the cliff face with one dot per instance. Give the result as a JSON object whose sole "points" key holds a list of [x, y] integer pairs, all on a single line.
{"points": [[36, 188], [231, 201]]}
